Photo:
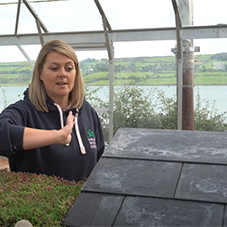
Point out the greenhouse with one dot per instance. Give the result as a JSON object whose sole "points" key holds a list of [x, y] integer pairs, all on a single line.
{"points": [[156, 73], [193, 33]]}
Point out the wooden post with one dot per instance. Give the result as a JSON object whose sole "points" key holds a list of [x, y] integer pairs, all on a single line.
{"points": [[188, 90], [186, 16]]}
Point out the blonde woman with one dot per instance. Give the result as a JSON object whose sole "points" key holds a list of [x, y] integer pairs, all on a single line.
{"points": [[53, 130]]}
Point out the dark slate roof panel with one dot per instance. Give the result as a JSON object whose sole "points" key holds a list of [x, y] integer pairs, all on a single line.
{"points": [[141, 212], [134, 177], [171, 145], [225, 217], [203, 182], [150, 177], [92, 209]]}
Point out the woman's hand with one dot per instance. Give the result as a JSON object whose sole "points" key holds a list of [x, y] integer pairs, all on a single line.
{"points": [[34, 138], [65, 133]]}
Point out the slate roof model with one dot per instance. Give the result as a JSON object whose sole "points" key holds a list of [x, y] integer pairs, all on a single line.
{"points": [[152, 177]]}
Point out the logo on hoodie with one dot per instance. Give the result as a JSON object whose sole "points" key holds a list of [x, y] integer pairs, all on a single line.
{"points": [[91, 138]]}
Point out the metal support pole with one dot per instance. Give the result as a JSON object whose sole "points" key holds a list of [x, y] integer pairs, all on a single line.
{"points": [[178, 53], [40, 32], [107, 41], [109, 46], [18, 15], [179, 90], [111, 93], [35, 15], [26, 56], [179, 93]]}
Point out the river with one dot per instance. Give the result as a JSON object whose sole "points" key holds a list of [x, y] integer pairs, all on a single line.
{"points": [[10, 94]]}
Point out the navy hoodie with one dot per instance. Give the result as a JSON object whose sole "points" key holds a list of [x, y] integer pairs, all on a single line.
{"points": [[72, 162]]}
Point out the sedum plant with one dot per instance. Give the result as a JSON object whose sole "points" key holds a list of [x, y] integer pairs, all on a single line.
{"points": [[43, 200]]}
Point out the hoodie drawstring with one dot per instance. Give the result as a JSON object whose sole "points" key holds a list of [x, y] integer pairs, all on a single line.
{"points": [[61, 114], [82, 148]]}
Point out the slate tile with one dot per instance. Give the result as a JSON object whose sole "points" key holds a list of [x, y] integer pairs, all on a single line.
{"points": [[203, 182], [148, 212], [134, 177], [225, 217], [91, 209], [171, 145]]}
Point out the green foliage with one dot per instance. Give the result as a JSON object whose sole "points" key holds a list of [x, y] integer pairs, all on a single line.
{"points": [[42, 200], [166, 109], [135, 108], [206, 116]]}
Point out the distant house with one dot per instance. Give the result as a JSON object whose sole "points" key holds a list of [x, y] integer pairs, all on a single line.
{"points": [[88, 70], [158, 68]]}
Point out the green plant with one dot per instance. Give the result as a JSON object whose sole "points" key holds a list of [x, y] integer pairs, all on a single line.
{"points": [[206, 116], [135, 108], [4, 97], [43, 200]]}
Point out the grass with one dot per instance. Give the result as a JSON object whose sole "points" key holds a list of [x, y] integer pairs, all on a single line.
{"points": [[211, 80]]}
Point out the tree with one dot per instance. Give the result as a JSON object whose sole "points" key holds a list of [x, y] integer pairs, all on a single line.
{"points": [[135, 108], [102, 67]]}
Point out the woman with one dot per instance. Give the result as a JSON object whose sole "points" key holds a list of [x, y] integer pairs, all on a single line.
{"points": [[53, 130]]}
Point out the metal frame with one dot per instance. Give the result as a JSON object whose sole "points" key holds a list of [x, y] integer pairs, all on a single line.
{"points": [[179, 66], [105, 39], [25, 54], [128, 35], [109, 46], [35, 15]]}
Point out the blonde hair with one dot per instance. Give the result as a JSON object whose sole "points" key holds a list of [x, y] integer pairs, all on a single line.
{"points": [[37, 92]]}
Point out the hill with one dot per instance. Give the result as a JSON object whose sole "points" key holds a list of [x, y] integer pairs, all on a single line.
{"points": [[208, 69]]}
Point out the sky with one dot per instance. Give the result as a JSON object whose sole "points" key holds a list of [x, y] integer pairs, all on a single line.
{"points": [[139, 14]]}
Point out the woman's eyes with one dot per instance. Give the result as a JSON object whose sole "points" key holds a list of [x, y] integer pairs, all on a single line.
{"points": [[68, 69]]}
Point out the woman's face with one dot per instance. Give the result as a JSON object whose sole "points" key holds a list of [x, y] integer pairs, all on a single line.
{"points": [[58, 75]]}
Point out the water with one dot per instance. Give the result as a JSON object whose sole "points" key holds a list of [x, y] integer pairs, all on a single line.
{"points": [[209, 93], [10, 94], [216, 95]]}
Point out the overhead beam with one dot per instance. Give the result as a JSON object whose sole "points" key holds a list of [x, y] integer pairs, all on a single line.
{"points": [[35, 15], [88, 46], [191, 32], [176, 11], [101, 11], [17, 17]]}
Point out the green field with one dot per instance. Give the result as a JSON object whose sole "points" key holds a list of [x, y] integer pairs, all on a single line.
{"points": [[208, 70]]}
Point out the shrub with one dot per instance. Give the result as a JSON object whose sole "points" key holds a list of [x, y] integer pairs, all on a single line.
{"points": [[207, 117], [43, 200], [136, 108]]}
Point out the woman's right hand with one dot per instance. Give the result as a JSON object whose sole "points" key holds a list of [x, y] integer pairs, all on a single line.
{"points": [[34, 138], [65, 133]]}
